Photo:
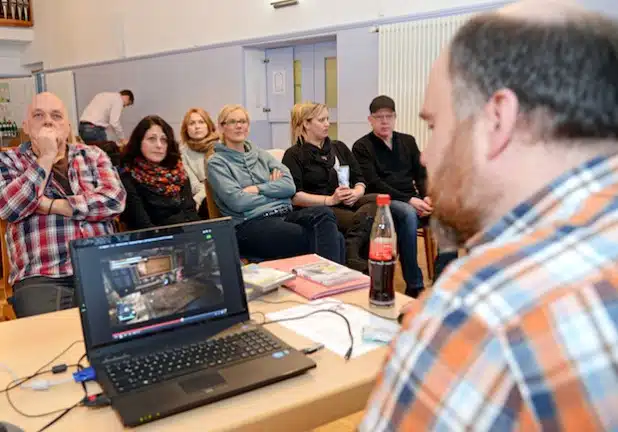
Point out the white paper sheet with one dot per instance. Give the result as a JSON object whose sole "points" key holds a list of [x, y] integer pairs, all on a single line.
{"points": [[331, 330]]}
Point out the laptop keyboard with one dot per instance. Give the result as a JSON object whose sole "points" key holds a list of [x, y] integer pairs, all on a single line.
{"points": [[149, 369]]}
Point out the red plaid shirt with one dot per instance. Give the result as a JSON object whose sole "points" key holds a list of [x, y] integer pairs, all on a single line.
{"points": [[38, 245]]}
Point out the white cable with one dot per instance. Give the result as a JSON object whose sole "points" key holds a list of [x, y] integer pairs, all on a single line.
{"points": [[10, 371], [43, 384], [37, 385]]}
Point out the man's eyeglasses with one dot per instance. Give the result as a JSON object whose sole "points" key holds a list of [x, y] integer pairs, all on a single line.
{"points": [[382, 117], [233, 123]]}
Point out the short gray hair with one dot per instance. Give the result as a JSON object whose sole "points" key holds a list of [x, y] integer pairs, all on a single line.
{"points": [[565, 74]]}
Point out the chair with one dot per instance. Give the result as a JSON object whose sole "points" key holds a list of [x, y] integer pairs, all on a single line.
{"points": [[213, 210], [277, 153], [431, 249], [6, 290]]}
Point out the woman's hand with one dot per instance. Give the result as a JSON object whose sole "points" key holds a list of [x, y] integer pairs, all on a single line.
{"points": [[337, 197], [354, 195], [275, 175], [252, 190]]}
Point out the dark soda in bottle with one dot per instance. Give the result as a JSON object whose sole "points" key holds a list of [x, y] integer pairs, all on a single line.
{"points": [[382, 255]]}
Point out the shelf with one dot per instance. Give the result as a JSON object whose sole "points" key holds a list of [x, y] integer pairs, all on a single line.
{"points": [[14, 23]]}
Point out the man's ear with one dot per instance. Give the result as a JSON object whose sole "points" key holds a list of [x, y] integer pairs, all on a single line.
{"points": [[25, 127], [501, 110]]}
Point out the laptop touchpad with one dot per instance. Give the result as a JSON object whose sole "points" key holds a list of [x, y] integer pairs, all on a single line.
{"points": [[202, 382]]}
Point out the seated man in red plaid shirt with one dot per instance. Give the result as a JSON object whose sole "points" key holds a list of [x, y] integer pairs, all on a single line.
{"points": [[51, 192]]}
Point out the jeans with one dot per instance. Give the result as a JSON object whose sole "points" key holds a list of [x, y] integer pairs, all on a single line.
{"points": [[92, 133], [406, 224], [39, 295], [442, 260], [302, 231]]}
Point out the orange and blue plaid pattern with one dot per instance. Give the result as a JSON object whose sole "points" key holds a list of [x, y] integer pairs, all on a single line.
{"points": [[523, 332]]}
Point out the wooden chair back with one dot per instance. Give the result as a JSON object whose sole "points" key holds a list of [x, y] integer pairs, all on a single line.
{"points": [[431, 249], [213, 210], [6, 290]]}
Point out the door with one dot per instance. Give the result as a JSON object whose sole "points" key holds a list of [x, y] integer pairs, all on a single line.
{"points": [[298, 74], [280, 89], [325, 77]]}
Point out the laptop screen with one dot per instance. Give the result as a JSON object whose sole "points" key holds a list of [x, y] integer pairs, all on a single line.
{"points": [[139, 283]]}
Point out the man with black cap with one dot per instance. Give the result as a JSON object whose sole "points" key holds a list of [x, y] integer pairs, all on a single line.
{"points": [[391, 165]]}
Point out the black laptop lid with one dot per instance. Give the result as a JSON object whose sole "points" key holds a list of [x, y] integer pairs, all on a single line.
{"points": [[142, 283]]}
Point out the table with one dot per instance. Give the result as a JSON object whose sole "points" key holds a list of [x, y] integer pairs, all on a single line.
{"points": [[332, 390]]}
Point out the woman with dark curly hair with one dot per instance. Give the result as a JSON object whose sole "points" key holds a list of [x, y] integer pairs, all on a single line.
{"points": [[158, 190]]}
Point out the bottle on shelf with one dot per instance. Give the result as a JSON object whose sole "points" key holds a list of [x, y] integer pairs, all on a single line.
{"points": [[382, 255]]}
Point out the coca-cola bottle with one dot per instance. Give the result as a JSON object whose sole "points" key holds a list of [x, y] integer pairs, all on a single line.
{"points": [[382, 255]]}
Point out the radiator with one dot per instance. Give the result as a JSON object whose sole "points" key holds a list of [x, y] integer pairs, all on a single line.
{"points": [[407, 51]]}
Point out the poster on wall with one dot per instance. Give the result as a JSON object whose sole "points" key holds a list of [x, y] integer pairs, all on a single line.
{"points": [[5, 93], [279, 82]]}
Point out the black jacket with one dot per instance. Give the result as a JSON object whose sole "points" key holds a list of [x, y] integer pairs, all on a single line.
{"points": [[397, 172], [312, 168], [146, 209]]}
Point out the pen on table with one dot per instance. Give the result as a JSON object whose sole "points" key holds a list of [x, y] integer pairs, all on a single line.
{"points": [[312, 349]]}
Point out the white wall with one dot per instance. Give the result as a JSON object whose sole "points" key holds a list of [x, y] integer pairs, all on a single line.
{"points": [[10, 59], [70, 32], [169, 85], [357, 80]]}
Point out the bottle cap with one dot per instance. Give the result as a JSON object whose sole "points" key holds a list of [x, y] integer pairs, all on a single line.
{"points": [[383, 200]]}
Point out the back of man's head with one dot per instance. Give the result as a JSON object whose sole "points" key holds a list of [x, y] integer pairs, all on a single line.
{"points": [[562, 64]]}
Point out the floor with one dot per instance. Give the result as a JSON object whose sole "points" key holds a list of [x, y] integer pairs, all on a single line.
{"points": [[350, 423]]}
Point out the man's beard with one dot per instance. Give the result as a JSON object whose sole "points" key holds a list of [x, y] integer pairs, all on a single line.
{"points": [[454, 188]]}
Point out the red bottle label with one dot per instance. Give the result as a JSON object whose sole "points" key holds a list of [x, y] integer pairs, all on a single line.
{"points": [[381, 251]]}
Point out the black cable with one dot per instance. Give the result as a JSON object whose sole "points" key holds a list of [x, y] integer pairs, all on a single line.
{"points": [[79, 362], [41, 371], [21, 381], [348, 354], [297, 302], [24, 414], [65, 412]]}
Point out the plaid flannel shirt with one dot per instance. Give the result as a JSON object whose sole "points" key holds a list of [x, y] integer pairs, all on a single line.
{"points": [[38, 244], [523, 332]]}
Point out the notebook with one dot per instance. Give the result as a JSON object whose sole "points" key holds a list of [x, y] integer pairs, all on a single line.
{"points": [[263, 280], [312, 268]]}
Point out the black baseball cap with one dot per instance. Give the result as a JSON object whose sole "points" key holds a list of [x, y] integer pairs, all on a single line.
{"points": [[381, 102]]}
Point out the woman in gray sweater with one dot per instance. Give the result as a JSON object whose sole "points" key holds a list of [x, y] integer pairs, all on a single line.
{"points": [[255, 189]]}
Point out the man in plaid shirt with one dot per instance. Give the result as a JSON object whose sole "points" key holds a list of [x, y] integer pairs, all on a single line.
{"points": [[51, 192], [522, 333]]}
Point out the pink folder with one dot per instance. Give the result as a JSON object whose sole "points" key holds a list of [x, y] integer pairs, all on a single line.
{"points": [[309, 289]]}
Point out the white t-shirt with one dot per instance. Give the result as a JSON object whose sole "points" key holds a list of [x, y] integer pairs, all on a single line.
{"points": [[104, 110]]}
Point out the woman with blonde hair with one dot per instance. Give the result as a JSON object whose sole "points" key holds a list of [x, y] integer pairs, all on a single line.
{"points": [[255, 189], [325, 172], [199, 135]]}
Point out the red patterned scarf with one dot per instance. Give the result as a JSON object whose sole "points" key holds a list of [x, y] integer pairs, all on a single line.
{"points": [[163, 181]]}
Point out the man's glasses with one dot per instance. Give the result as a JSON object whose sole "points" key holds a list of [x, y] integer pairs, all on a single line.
{"points": [[233, 123], [382, 117]]}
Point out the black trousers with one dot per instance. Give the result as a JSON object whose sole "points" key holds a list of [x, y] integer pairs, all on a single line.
{"points": [[39, 295], [302, 231]]}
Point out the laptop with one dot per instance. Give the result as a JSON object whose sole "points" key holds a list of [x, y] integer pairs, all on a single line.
{"points": [[166, 323]]}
